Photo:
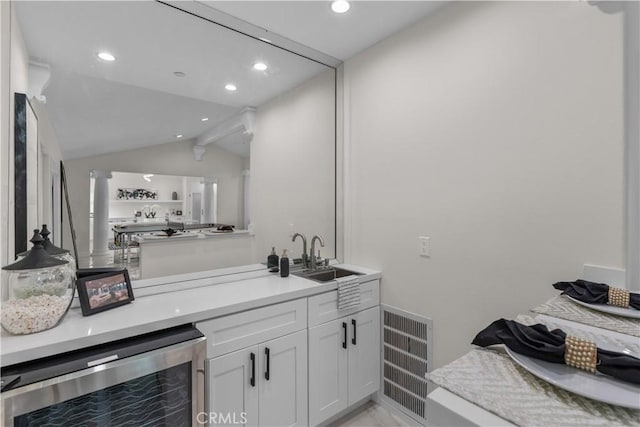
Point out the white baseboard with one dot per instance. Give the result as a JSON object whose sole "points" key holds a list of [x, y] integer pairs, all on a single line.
{"points": [[346, 412]]}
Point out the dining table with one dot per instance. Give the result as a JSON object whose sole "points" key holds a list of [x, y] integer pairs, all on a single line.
{"points": [[494, 386]]}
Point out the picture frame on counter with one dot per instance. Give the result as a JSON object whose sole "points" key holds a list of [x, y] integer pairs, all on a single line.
{"points": [[105, 291]]}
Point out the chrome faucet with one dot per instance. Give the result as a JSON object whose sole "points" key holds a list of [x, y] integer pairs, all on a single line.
{"points": [[305, 260], [313, 250]]}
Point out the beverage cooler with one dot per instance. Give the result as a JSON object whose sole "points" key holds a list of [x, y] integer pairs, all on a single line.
{"points": [[149, 380]]}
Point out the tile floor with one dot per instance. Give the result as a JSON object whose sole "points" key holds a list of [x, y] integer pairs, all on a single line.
{"points": [[371, 415]]}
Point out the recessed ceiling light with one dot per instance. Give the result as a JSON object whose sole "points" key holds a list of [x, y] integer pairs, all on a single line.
{"points": [[106, 56], [179, 74], [230, 87], [179, 135], [204, 119], [340, 6], [260, 66]]}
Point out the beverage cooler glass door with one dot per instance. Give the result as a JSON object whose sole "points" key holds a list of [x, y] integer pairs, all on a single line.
{"points": [[159, 387]]}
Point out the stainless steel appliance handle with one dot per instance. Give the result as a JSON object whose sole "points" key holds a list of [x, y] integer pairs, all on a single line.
{"points": [[199, 379]]}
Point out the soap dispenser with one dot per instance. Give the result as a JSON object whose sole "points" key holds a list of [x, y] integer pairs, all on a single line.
{"points": [[284, 264], [272, 259]]}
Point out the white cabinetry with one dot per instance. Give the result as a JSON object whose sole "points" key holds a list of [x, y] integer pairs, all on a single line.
{"points": [[328, 365], [230, 393], [283, 392], [265, 368], [344, 357], [264, 383], [364, 354]]}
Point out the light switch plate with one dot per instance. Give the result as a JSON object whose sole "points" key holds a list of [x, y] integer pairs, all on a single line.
{"points": [[425, 246]]}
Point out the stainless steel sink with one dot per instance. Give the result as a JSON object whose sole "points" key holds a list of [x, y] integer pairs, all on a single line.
{"points": [[326, 275]]}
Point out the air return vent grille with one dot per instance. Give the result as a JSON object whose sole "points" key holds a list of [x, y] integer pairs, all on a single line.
{"points": [[407, 400], [409, 363], [407, 341]]}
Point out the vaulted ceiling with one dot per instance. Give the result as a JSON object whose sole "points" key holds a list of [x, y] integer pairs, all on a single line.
{"points": [[98, 107]]}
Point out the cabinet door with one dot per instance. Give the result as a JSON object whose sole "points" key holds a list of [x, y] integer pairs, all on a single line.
{"points": [[327, 370], [232, 395], [364, 354], [283, 381]]}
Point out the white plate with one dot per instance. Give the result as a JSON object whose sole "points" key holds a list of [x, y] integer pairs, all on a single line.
{"points": [[610, 309], [597, 387], [163, 235]]}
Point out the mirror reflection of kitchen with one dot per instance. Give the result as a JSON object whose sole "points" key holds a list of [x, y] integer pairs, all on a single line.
{"points": [[161, 202], [148, 198], [175, 104]]}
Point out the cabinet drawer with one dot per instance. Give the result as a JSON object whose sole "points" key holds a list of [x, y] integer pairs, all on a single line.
{"points": [[324, 307], [236, 331]]}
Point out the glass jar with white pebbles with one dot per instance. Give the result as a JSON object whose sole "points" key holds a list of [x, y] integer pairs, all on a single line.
{"points": [[36, 291]]}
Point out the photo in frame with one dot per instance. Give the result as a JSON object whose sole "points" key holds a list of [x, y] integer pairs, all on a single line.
{"points": [[103, 292]]}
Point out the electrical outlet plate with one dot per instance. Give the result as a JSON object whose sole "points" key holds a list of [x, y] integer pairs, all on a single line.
{"points": [[425, 246]]}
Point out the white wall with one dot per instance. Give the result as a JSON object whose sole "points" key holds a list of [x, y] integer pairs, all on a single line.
{"points": [[18, 83], [14, 78], [175, 256], [632, 136], [48, 166], [174, 158], [5, 90], [293, 168], [495, 129]]}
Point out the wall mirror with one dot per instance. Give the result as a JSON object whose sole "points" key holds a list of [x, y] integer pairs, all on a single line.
{"points": [[144, 87]]}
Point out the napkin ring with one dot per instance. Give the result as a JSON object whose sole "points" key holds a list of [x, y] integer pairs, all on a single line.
{"points": [[618, 297], [581, 354]]}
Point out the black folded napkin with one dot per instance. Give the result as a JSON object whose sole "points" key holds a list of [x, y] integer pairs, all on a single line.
{"points": [[592, 293], [539, 342], [170, 231]]}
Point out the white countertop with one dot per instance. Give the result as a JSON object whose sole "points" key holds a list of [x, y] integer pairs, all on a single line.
{"points": [[157, 238], [164, 303]]}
